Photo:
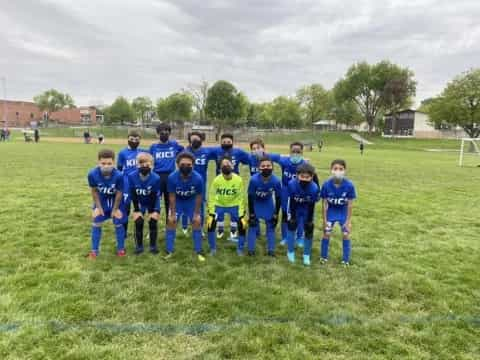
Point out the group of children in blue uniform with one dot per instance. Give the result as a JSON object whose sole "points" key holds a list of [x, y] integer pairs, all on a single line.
{"points": [[142, 177]]}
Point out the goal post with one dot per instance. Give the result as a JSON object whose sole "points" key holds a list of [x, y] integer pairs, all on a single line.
{"points": [[472, 144]]}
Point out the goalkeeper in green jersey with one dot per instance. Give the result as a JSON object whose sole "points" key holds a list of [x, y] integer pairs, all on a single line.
{"points": [[226, 196]]}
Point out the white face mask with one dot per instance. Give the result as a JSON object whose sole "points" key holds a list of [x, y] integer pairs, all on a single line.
{"points": [[338, 174]]}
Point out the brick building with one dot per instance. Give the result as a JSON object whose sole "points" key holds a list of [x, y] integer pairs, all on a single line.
{"points": [[24, 113]]}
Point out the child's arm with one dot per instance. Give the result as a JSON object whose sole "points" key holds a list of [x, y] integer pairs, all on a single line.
{"points": [[116, 204], [198, 206], [172, 211], [96, 199], [211, 197], [324, 212], [348, 222]]}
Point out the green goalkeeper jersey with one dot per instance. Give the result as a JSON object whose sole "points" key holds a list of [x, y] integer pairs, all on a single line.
{"points": [[226, 193]]}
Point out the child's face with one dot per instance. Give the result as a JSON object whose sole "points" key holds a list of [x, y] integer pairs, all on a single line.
{"points": [[265, 165], [185, 162], [296, 150], [227, 142], [257, 148], [338, 171], [195, 138], [144, 164], [305, 177], [105, 162]]}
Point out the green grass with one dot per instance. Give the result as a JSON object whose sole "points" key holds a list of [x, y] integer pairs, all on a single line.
{"points": [[412, 292]]}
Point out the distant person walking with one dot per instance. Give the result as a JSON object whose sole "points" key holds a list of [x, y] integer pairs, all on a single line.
{"points": [[101, 139], [36, 135], [86, 137], [320, 145], [362, 147], [3, 135], [7, 134]]}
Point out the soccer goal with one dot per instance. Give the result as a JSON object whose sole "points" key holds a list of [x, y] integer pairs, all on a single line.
{"points": [[473, 148]]}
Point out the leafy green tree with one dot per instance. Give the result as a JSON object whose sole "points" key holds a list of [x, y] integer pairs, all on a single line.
{"points": [[286, 113], [315, 101], [199, 93], [260, 115], [376, 89], [459, 104], [142, 106], [52, 100], [119, 112], [175, 108]]}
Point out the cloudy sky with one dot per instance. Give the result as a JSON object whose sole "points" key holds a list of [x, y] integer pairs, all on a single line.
{"points": [[99, 49]]}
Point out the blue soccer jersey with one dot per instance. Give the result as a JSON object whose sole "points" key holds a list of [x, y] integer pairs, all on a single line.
{"points": [[300, 198], [289, 169], [127, 160], [202, 156], [263, 193], [107, 187], [238, 156], [337, 198], [164, 155], [185, 190], [147, 191], [254, 161]]}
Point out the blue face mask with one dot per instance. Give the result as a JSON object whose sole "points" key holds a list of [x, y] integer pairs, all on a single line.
{"points": [[296, 159]]}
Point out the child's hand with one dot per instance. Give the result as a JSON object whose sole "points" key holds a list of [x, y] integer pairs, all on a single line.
{"points": [[136, 215], [172, 218], [117, 214], [98, 212], [197, 220], [348, 226], [155, 215]]}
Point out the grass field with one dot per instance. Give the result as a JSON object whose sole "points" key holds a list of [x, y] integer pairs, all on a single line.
{"points": [[413, 290]]}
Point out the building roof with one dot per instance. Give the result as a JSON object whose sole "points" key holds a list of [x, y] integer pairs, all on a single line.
{"points": [[406, 111]]}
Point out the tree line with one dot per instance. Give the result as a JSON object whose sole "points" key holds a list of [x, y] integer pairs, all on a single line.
{"points": [[364, 94]]}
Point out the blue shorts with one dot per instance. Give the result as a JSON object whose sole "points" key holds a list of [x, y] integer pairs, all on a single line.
{"points": [[146, 209], [264, 211], [185, 208], [108, 215], [332, 219], [220, 211]]}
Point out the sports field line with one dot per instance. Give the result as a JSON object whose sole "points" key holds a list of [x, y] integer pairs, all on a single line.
{"points": [[201, 328]]}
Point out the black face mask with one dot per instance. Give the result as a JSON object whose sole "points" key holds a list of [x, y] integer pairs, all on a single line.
{"points": [[266, 172], [304, 183], [164, 137], [227, 147], [227, 170], [185, 170], [133, 144], [144, 170], [196, 144]]}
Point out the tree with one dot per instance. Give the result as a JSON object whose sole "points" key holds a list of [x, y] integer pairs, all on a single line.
{"points": [[52, 100], [119, 112], [260, 115], [286, 113], [345, 113], [459, 104], [225, 104], [175, 108], [314, 100], [376, 89], [199, 93], [142, 107]]}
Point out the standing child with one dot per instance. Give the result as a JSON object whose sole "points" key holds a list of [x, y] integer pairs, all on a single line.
{"points": [[106, 184], [362, 147], [263, 188], [144, 190], [185, 191], [226, 196], [338, 194], [303, 193]]}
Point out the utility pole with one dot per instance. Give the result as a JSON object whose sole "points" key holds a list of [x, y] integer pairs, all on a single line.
{"points": [[4, 85]]}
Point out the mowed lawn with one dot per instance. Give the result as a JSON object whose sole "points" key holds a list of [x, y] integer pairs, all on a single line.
{"points": [[413, 290]]}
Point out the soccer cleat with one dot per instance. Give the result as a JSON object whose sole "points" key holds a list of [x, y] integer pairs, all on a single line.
{"points": [[153, 250], [168, 255], [300, 242], [306, 260], [121, 253], [345, 263], [138, 250], [283, 242], [251, 253], [92, 255], [220, 234], [291, 256], [234, 237], [271, 253], [185, 231], [240, 252], [213, 252], [323, 260], [200, 257]]}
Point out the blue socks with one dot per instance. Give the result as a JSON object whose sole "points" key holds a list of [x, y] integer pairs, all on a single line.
{"points": [[197, 240], [284, 230], [270, 239], [170, 240], [346, 251], [324, 248], [307, 249], [252, 238], [212, 240], [96, 236], [291, 241], [120, 235]]}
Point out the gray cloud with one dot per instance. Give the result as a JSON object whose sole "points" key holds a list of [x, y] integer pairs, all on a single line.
{"points": [[97, 50]]}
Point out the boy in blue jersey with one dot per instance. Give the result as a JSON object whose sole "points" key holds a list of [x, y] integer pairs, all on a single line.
{"points": [[164, 154], [303, 193], [144, 190], [257, 152], [338, 194], [127, 163], [238, 156], [289, 165], [263, 188], [106, 185], [185, 189], [202, 156]]}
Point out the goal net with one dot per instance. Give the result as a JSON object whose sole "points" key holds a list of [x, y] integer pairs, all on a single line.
{"points": [[469, 147]]}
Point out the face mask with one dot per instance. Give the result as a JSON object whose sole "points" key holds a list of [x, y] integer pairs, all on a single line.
{"points": [[296, 159], [227, 147], [266, 172], [338, 174], [133, 144], [304, 183], [196, 144], [144, 170], [227, 170], [258, 153], [164, 137], [106, 170], [185, 170]]}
